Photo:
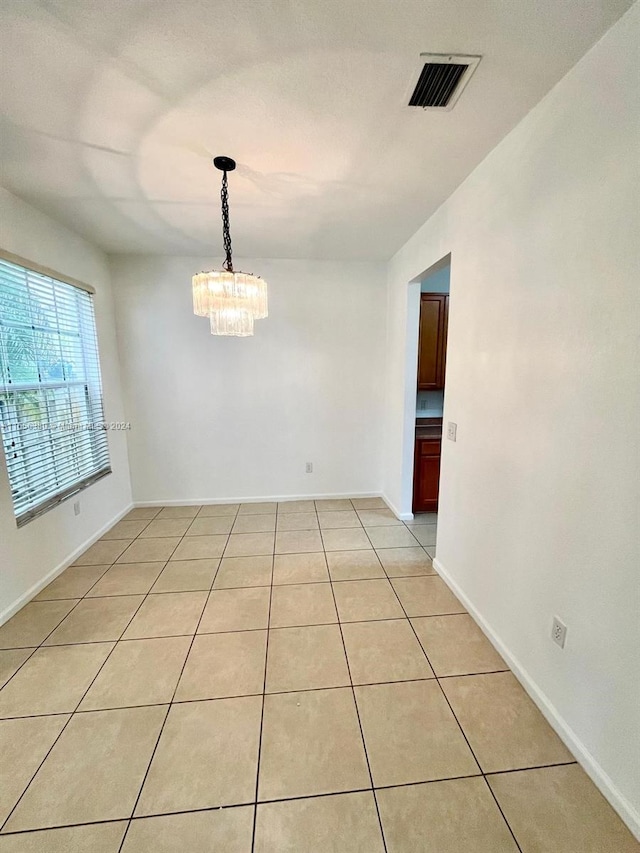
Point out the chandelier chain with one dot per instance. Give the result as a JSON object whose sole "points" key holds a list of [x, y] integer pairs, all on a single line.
{"points": [[226, 231]]}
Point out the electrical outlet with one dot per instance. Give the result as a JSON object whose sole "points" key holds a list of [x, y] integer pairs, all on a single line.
{"points": [[452, 431], [558, 632], [309, 468], [76, 508]]}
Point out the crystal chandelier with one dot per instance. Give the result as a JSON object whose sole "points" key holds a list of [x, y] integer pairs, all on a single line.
{"points": [[231, 300]]}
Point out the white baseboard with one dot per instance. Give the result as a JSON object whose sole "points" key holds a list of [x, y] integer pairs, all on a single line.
{"points": [[599, 777], [403, 516], [13, 608], [253, 499]]}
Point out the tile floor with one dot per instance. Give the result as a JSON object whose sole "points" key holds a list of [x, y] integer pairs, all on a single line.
{"points": [[274, 677]]}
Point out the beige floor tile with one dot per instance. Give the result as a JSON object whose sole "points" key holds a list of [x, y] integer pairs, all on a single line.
{"points": [[53, 680], [179, 512], [339, 822], [296, 506], [505, 729], [391, 537], [10, 662], [378, 518], [223, 665], [335, 519], [423, 518], [31, 625], [97, 838], [249, 544], [96, 620], [405, 562], [306, 658], [244, 571], [426, 534], [186, 575], [201, 547], [138, 672], [74, 582], [346, 539], [211, 510], [444, 817], [167, 614], [93, 772], [258, 508], [384, 651], [142, 513], [298, 541], [297, 521], [411, 734], [213, 525], [456, 646], [426, 596], [302, 604], [560, 809], [163, 527], [255, 523], [127, 579], [369, 599], [430, 551], [368, 503], [236, 610], [300, 568], [311, 744], [354, 565], [23, 745], [212, 748], [104, 552], [215, 831], [150, 550], [333, 504], [128, 529]]}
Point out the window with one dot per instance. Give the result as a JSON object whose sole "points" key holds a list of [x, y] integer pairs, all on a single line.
{"points": [[51, 414]]}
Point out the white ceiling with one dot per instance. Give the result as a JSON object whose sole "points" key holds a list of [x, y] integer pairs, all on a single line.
{"points": [[112, 109]]}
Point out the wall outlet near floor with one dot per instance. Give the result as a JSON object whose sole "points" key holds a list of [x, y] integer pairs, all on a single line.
{"points": [[558, 632], [76, 508], [452, 431], [309, 467]]}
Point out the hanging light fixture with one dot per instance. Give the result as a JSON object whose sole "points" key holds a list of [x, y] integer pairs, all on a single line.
{"points": [[231, 300]]}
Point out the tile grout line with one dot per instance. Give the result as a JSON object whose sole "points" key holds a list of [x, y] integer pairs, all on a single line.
{"points": [[355, 703], [264, 690], [175, 689], [446, 698], [283, 799], [278, 692], [245, 630]]}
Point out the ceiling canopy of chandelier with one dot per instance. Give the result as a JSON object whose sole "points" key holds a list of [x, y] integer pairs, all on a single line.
{"points": [[231, 300]]}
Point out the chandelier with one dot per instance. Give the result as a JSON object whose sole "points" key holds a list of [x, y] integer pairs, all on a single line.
{"points": [[231, 300]]}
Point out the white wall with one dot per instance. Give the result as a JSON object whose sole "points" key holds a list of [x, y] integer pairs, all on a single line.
{"points": [[217, 418], [48, 543], [539, 496]]}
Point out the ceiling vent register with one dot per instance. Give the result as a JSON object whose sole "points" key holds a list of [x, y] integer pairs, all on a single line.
{"points": [[441, 80]]}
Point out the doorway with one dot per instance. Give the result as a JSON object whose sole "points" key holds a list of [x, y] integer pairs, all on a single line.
{"points": [[433, 323]]}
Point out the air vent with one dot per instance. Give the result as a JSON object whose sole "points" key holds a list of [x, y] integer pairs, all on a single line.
{"points": [[442, 77]]}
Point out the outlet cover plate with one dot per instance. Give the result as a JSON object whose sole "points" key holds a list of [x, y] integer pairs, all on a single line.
{"points": [[558, 632]]}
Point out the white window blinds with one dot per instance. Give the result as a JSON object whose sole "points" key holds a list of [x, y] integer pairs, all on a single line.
{"points": [[51, 414]]}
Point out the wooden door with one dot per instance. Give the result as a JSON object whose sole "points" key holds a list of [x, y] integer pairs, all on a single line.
{"points": [[426, 475], [433, 337]]}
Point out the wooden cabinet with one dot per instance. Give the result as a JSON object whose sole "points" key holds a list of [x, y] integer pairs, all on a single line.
{"points": [[432, 349], [426, 475]]}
